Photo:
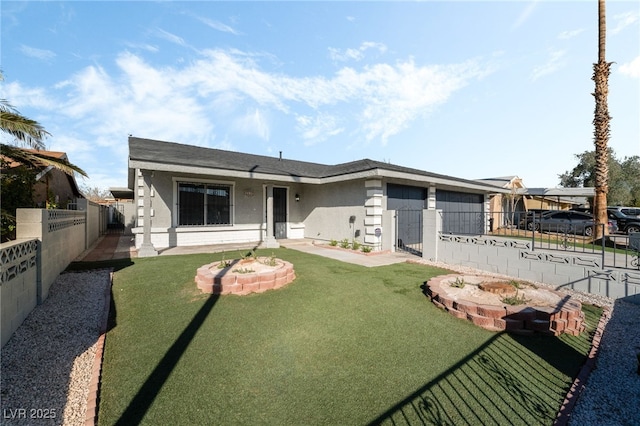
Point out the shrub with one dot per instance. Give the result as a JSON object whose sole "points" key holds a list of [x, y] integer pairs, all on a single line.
{"points": [[243, 270], [355, 245], [515, 284], [344, 244], [366, 249], [458, 283], [333, 243], [515, 300], [271, 261]]}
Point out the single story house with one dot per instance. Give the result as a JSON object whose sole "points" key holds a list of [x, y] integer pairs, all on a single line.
{"points": [[52, 187], [189, 195]]}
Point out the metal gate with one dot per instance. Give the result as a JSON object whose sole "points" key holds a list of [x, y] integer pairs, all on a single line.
{"points": [[280, 213], [409, 231]]}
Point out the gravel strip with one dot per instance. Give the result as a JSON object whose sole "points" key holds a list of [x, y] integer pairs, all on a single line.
{"points": [[47, 364], [612, 392]]}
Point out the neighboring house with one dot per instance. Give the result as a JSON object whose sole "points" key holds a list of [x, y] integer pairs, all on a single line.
{"points": [[52, 187], [506, 208], [189, 195]]}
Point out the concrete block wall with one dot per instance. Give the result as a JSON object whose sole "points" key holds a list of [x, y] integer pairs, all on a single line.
{"points": [[62, 237], [518, 259], [18, 284], [562, 270], [97, 219], [47, 241]]}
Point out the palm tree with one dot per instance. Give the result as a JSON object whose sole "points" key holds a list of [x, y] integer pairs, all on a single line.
{"points": [[601, 119], [29, 133]]}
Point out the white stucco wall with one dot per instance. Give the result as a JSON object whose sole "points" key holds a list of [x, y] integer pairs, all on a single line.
{"points": [[248, 211], [326, 211]]}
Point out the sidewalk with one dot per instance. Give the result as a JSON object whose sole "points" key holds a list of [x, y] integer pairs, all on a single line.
{"points": [[110, 246], [119, 246]]}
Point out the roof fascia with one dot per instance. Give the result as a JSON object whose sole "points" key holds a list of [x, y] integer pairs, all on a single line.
{"points": [[366, 174], [164, 167], [442, 181]]}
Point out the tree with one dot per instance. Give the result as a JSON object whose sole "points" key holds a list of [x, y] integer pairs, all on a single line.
{"points": [[17, 186], [623, 179], [31, 134], [95, 194], [601, 71]]}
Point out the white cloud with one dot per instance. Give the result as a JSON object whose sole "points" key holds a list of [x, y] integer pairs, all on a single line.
{"points": [[252, 123], [33, 52], [553, 64], [358, 54], [631, 69], [566, 35], [524, 15], [20, 96], [229, 92], [624, 20], [218, 26], [172, 38], [142, 46], [319, 128]]}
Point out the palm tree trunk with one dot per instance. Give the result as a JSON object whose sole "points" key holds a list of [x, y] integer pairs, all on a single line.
{"points": [[601, 126]]}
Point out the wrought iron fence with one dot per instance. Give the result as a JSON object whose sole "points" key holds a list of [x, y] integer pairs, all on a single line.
{"points": [[616, 249]]}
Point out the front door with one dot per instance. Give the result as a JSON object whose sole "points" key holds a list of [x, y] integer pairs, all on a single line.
{"points": [[280, 213]]}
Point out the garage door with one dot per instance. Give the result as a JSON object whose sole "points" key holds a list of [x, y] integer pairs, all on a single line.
{"points": [[462, 213]]}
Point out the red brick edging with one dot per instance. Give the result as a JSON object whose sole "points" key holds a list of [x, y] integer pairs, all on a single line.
{"points": [[91, 415], [212, 279], [567, 317], [564, 414]]}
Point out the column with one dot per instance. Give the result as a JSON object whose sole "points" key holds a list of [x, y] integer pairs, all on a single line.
{"points": [[373, 230], [270, 240], [146, 249]]}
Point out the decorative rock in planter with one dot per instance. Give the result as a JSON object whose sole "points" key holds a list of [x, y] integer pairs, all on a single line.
{"points": [[541, 311], [244, 276]]}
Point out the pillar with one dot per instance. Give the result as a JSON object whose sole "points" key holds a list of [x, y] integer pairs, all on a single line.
{"points": [[146, 249]]}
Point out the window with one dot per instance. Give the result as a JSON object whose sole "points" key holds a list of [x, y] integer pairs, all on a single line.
{"points": [[203, 204]]}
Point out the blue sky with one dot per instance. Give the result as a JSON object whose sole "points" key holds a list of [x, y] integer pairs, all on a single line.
{"points": [[468, 89]]}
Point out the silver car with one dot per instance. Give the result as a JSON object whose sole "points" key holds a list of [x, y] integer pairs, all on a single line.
{"points": [[564, 221]]}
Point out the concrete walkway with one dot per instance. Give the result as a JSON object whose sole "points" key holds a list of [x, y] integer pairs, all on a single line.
{"points": [[120, 246]]}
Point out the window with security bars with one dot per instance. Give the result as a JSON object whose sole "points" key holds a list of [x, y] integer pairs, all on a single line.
{"points": [[203, 204]]}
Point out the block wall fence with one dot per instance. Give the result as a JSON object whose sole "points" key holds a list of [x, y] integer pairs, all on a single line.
{"points": [[518, 259], [46, 242]]}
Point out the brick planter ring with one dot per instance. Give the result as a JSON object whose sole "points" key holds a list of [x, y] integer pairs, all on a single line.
{"points": [[550, 313], [244, 276]]}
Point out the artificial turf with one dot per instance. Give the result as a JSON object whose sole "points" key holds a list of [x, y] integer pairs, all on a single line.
{"points": [[342, 344]]}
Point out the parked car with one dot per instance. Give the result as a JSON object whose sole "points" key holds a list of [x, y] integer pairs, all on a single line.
{"points": [[627, 218], [567, 222], [528, 216]]}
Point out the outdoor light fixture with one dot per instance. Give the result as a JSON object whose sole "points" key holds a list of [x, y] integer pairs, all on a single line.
{"points": [[297, 197]]}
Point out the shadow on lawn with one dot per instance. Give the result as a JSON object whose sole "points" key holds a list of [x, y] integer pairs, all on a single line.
{"points": [[502, 382], [140, 404]]}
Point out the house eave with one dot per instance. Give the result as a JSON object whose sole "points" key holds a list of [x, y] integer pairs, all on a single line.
{"points": [[365, 174], [208, 171]]}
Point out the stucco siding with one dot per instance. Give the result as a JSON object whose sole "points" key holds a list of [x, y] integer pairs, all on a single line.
{"points": [[329, 209]]}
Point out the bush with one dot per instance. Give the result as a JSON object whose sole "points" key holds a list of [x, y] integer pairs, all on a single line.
{"points": [[344, 244]]}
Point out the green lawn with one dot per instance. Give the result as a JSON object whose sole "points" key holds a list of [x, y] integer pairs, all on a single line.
{"points": [[342, 344]]}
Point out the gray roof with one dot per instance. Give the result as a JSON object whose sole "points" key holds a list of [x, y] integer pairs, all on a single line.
{"points": [[171, 153], [588, 191]]}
